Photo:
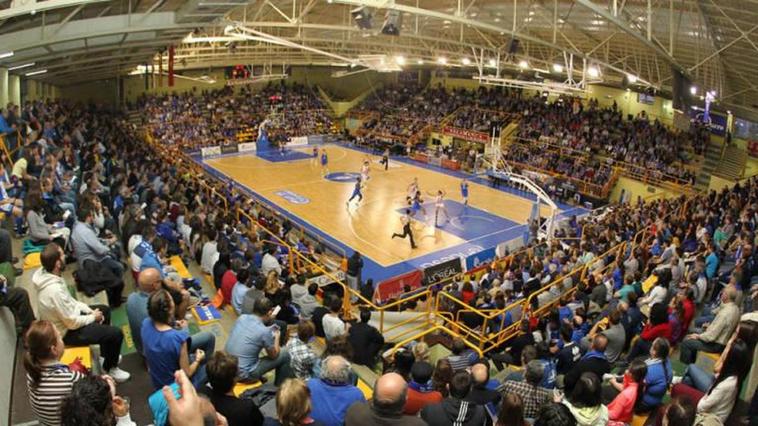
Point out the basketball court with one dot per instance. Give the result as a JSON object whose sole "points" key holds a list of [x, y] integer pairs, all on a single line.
{"points": [[296, 186]]}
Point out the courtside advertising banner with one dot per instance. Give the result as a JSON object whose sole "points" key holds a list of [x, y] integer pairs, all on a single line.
{"points": [[443, 270], [247, 147], [210, 151]]}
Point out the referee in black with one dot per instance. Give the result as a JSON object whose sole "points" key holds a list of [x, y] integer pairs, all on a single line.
{"points": [[406, 221]]}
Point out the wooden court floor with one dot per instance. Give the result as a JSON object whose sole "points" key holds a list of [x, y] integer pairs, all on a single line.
{"points": [[368, 227]]}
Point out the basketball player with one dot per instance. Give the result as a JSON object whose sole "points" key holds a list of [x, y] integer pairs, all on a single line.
{"points": [[386, 159], [314, 158], [356, 192], [412, 190], [464, 191], [406, 221], [439, 206], [417, 204], [324, 163], [364, 171]]}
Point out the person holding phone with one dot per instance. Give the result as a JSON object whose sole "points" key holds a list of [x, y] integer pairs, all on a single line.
{"points": [[253, 333]]}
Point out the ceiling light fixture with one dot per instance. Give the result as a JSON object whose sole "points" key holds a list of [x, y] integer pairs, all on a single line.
{"points": [[6, 55], [442, 60], [593, 72], [38, 72], [557, 67], [400, 60], [693, 90], [18, 67], [466, 61], [523, 64], [631, 78]]}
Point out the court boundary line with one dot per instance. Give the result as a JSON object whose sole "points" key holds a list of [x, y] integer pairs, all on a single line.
{"points": [[404, 265]]}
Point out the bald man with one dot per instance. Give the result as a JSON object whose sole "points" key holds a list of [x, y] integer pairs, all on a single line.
{"points": [[148, 282], [480, 394], [386, 407]]}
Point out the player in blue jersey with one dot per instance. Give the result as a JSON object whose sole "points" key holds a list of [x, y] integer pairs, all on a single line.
{"points": [[464, 191], [417, 205], [324, 163], [314, 157], [356, 192]]}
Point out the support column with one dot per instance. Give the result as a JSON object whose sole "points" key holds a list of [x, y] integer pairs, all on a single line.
{"points": [[3, 87], [14, 89]]}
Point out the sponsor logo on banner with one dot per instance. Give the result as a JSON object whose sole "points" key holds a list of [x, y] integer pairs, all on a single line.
{"points": [[323, 280], [443, 271], [292, 197], [210, 151], [469, 135], [484, 256], [229, 149], [460, 255], [247, 146], [393, 287], [298, 140], [343, 177]]}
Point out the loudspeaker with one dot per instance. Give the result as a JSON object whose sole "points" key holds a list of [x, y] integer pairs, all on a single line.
{"points": [[393, 21], [362, 17], [680, 86], [513, 46]]}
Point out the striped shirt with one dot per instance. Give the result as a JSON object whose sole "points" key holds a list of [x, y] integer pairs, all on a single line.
{"points": [[46, 397]]}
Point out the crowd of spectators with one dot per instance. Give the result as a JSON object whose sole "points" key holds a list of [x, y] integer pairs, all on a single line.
{"points": [[630, 311], [193, 120], [601, 135]]}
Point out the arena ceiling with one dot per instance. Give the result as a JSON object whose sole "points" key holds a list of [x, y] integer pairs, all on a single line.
{"points": [[715, 42]]}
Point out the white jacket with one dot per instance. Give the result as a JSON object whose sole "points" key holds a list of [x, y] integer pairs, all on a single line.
{"points": [[56, 305]]}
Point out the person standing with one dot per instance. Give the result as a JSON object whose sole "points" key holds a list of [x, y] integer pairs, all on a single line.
{"points": [[324, 163], [464, 191], [439, 207], [406, 221], [353, 275], [356, 192], [366, 340]]}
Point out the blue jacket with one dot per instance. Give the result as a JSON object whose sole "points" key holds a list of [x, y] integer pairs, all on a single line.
{"points": [[657, 381]]}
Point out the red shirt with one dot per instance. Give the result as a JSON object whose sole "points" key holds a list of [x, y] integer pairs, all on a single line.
{"points": [[689, 313], [228, 280], [467, 296], [418, 400], [651, 332]]}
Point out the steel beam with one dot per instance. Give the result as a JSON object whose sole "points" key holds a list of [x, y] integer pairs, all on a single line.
{"points": [[627, 28]]}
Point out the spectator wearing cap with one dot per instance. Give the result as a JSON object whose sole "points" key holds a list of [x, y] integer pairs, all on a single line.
{"points": [[421, 389]]}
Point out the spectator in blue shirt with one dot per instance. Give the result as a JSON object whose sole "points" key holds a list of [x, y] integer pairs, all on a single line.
{"points": [[332, 394], [252, 334], [167, 349], [240, 289], [711, 262]]}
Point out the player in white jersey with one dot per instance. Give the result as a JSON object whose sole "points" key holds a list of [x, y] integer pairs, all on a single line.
{"points": [[439, 206], [413, 188], [364, 171]]}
